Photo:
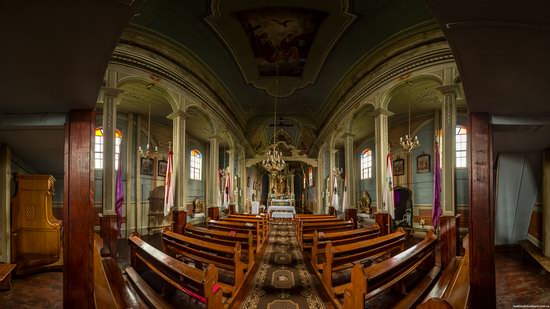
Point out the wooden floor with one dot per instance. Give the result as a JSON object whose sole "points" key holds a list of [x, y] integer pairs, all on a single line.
{"points": [[518, 283]]}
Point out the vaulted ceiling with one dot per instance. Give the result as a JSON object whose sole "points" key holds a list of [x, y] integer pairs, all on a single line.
{"points": [[296, 50]]}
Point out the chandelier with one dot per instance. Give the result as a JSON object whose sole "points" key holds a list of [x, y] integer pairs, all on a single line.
{"points": [[274, 162], [408, 142], [148, 152]]}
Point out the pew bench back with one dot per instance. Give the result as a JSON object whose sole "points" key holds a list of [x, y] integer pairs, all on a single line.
{"points": [[197, 283], [321, 239], [371, 281]]}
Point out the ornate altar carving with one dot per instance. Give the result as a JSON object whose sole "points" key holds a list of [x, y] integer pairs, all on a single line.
{"points": [[35, 232]]}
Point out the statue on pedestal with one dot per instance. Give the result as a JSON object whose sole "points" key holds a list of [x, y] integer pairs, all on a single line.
{"points": [[364, 204]]}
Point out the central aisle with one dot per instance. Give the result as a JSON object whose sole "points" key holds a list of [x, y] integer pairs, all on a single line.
{"points": [[282, 279]]}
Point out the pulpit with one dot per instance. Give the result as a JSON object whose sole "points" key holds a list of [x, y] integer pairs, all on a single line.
{"points": [[35, 232]]}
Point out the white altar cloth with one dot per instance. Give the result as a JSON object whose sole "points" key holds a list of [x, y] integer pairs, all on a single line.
{"points": [[278, 212]]}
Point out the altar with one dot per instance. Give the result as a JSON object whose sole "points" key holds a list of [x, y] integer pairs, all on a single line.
{"points": [[280, 208]]}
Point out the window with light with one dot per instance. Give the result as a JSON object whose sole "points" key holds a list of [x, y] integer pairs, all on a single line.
{"points": [[310, 176], [366, 164], [461, 146], [98, 148], [196, 165]]}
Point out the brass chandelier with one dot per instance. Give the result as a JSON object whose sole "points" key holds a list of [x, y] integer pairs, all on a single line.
{"points": [[408, 142], [274, 162], [148, 153]]}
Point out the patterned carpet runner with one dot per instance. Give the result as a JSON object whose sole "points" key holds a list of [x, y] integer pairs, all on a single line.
{"points": [[282, 280]]}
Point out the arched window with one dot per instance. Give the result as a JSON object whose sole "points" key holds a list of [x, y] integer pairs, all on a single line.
{"points": [[310, 176], [196, 165], [366, 164], [461, 141], [98, 148]]}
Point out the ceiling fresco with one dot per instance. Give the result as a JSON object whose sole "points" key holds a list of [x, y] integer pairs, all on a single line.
{"points": [[314, 45], [280, 38]]}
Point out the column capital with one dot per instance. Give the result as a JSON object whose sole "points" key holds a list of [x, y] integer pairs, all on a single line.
{"points": [[177, 114], [333, 150], [230, 151], [381, 111], [110, 92], [449, 89], [214, 138], [348, 135]]}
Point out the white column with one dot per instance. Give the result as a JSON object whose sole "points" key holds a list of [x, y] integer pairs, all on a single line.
{"points": [[5, 198], [381, 151], [448, 124], [130, 155], [350, 169], [109, 127], [139, 190], [214, 169], [179, 119], [319, 184], [332, 164], [231, 168], [244, 179]]}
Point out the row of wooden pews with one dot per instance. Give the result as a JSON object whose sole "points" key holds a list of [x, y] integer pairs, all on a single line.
{"points": [[306, 225], [452, 290], [159, 278], [204, 265], [341, 259], [321, 239], [355, 265]]}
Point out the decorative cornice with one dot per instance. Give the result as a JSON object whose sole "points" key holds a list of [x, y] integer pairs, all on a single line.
{"points": [[363, 91], [181, 79]]}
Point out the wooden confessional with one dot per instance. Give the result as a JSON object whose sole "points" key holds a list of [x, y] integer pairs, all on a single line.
{"points": [[35, 232]]}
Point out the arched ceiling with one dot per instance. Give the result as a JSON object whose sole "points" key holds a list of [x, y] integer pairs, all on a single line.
{"points": [[311, 48]]}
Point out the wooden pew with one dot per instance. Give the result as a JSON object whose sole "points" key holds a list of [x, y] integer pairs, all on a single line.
{"points": [[320, 240], [238, 227], [199, 284], [204, 252], [298, 216], [305, 235], [261, 221], [111, 290], [338, 258], [224, 238], [371, 281], [300, 222], [452, 290]]}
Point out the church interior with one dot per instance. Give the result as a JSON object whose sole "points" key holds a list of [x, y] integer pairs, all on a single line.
{"points": [[274, 154]]}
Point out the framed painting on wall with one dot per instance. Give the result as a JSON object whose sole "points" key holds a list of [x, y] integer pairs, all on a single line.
{"points": [[398, 167], [162, 167], [423, 163], [147, 166]]}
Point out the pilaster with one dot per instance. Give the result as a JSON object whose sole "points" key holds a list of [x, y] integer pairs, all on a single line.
{"points": [[381, 152], [213, 187], [179, 120], [231, 168], [448, 124], [350, 169], [109, 127]]}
